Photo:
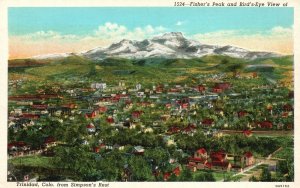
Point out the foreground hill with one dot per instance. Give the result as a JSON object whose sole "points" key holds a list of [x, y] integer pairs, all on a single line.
{"points": [[149, 70]]}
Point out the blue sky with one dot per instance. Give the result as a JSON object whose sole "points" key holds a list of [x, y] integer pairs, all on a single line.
{"points": [[42, 30], [82, 21]]}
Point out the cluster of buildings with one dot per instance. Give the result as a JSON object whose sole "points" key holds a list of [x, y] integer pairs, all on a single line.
{"points": [[121, 106]]}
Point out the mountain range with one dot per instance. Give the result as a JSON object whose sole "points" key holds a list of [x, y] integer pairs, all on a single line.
{"points": [[169, 45]]}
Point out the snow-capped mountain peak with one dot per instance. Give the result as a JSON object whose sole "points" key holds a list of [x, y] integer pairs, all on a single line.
{"points": [[169, 45]]}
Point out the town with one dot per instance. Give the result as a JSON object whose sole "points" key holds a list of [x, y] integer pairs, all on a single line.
{"points": [[147, 123]]}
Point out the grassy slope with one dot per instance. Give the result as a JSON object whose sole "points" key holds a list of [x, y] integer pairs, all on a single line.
{"points": [[32, 161], [147, 71]]}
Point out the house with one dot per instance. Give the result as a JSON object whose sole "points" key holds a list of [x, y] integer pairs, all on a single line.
{"points": [[219, 161], [99, 147], [254, 75], [168, 140], [100, 86], [138, 150], [159, 89], [50, 141], [247, 133], [30, 116], [165, 117], [118, 147], [289, 126], [136, 114], [217, 90], [39, 106], [248, 159], [201, 153], [185, 105], [91, 128], [265, 124], [17, 111], [190, 129], [110, 120], [91, 114], [18, 148], [70, 105], [223, 86], [173, 130], [242, 113], [102, 109], [201, 88], [148, 130], [219, 156], [176, 171], [168, 105], [207, 122], [167, 176], [287, 107], [138, 86], [126, 174], [199, 160]]}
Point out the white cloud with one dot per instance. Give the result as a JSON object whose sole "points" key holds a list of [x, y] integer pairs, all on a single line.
{"points": [[44, 35], [108, 32], [277, 39], [276, 32], [179, 23], [114, 31], [216, 34], [43, 42], [111, 30]]}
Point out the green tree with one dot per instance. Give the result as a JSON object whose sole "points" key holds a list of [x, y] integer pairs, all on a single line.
{"points": [[185, 175], [141, 170], [265, 175], [204, 177]]}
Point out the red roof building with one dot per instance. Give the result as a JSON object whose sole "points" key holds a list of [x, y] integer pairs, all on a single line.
{"points": [[201, 88], [102, 109], [217, 90], [287, 107], [91, 128], [110, 120], [247, 133], [218, 156], [173, 130], [223, 86], [265, 124], [49, 140], [30, 116], [242, 113], [176, 171], [207, 122], [40, 106], [136, 114], [167, 176], [90, 115]]}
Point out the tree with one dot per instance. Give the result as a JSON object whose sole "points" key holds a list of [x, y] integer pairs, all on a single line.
{"points": [[173, 177], [265, 175], [75, 159], [185, 175], [253, 178], [141, 170], [204, 176], [157, 155]]}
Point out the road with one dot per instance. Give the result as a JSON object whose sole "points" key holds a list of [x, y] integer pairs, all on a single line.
{"points": [[262, 133]]}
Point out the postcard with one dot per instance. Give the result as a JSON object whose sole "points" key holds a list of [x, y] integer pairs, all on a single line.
{"points": [[174, 93]]}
